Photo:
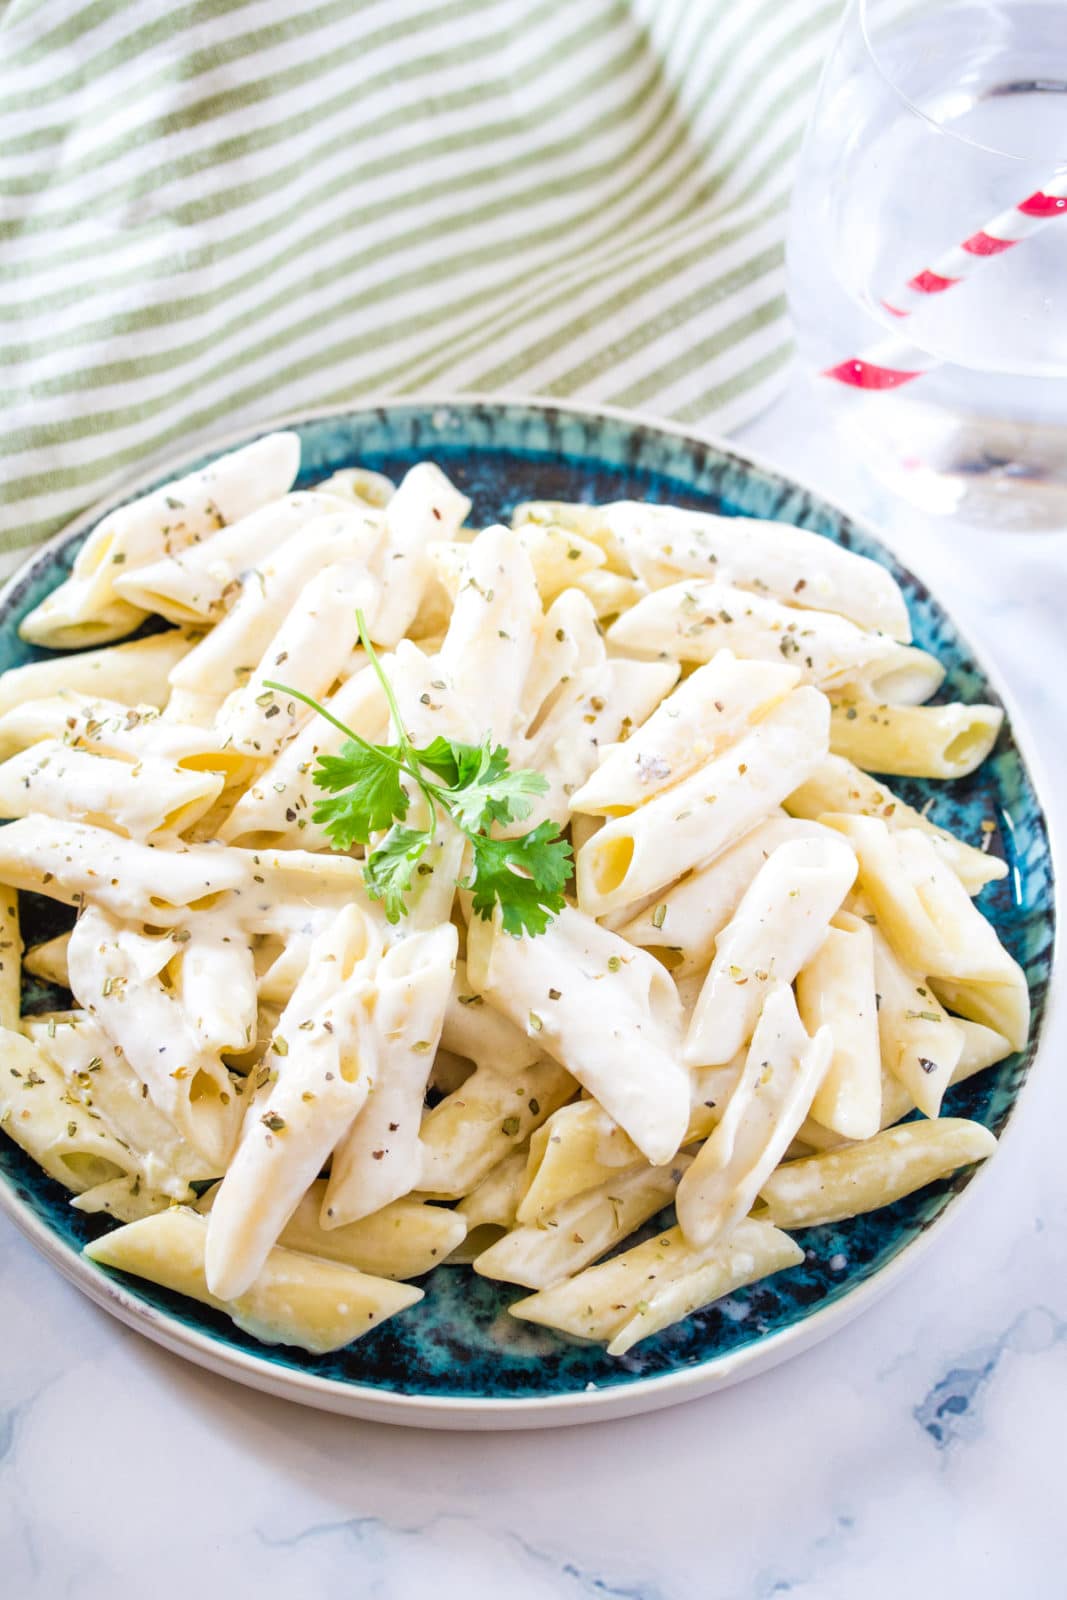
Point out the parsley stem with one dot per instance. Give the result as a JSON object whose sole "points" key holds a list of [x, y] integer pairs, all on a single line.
{"points": [[387, 689], [429, 791], [364, 744]]}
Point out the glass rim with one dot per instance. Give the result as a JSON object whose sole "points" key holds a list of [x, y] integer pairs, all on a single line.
{"points": [[863, 8]]}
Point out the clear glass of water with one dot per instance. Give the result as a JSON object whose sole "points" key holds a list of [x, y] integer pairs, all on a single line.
{"points": [[928, 252]]}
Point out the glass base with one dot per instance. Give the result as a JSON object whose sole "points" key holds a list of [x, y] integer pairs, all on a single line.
{"points": [[1006, 475]]}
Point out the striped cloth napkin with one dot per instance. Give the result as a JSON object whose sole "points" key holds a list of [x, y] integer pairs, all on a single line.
{"points": [[216, 212]]}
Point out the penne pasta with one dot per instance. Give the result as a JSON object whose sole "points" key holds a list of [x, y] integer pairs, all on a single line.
{"points": [[838, 785], [566, 748], [569, 646], [448, 1072], [580, 1147], [137, 673], [268, 891], [485, 1120], [1000, 1004], [492, 635], [68, 1139], [746, 1257], [836, 989], [215, 979], [925, 913], [641, 853], [226, 657], [920, 1043], [276, 808], [68, 861], [473, 1028], [783, 1069], [582, 1229], [10, 959], [146, 800], [425, 507], [907, 677], [692, 621], [607, 1012], [681, 923], [308, 1091], [657, 1283], [778, 926], [704, 716], [360, 484], [405, 1239], [792, 565], [558, 557], [49, 961], [309, 652], [609, 593], [286, 891], [380, 1158], [914, 741], [86, 609], [589, 522], [427, 702], [638, 687], [494, 1203], [982, 1048], [107, 728], [193, 707], [116, 976], [862, 1177], [196, 584], [296, 1299], [99, 1079], [576, 702], [581, 829], [125, 1199]]}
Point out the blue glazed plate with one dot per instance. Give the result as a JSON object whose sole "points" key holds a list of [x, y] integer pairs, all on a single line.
{"points": [[457, 1359]]}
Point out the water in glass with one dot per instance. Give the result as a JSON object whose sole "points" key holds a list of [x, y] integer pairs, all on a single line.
{"points": [[928, 251]]}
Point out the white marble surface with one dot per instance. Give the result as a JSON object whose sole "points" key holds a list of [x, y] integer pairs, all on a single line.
{"points": [[918, 1453]]}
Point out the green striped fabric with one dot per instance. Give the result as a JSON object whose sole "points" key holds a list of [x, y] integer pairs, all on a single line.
{"points": [[213, 213]]}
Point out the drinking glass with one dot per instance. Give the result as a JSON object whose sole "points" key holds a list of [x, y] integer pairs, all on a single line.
{"points": [[928, 252]]}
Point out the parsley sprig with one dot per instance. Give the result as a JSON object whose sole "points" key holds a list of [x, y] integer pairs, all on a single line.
{"points": [[370, 787]]}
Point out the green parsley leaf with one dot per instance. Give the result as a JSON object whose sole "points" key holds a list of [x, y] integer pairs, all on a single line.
{"points": [[475, 789], [481, 788], [510, 797], [459, 765], [445, 757], [369, 793], [504, 798], [524, 876], [388, 869], [492, 764]]}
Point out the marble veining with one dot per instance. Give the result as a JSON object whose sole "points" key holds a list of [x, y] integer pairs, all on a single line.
{"points": [[829, 1543], [376, 1539], [952, 1411], [918, 1453]]}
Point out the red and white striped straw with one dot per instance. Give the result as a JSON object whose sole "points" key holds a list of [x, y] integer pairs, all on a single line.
{"points": [[891, 362]]}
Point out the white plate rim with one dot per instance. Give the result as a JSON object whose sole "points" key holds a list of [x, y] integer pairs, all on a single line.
{"points": [[619, 1400]]}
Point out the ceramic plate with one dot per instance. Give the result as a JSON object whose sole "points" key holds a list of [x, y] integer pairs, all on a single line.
{"points": [[457, 1359]]}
